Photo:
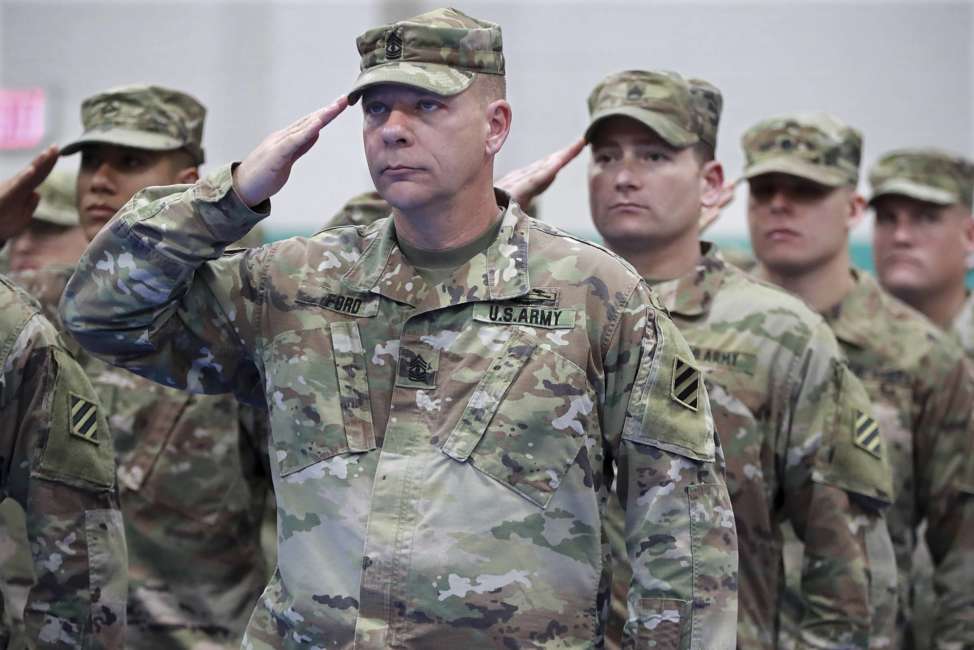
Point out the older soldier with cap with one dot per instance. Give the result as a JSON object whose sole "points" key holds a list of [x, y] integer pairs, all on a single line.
{"points": [[192, 469], [775, 372], [58, 466], [924, 234], [802, 170], [448, 387]]}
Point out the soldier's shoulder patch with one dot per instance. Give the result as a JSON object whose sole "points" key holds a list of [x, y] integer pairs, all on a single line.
{"points": [[84, 418], [866, 434], [685, 387]]}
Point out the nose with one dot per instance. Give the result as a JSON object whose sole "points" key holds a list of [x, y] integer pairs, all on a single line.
{"points": [[102, 179], [626, 179], [395, 129], [779, 200], [902, 231]]}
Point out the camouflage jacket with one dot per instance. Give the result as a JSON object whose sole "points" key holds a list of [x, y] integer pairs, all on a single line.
{"points": [[59, 465], [360, 210], [193, 476], [963, 326], [784, 404], [499, 400], [922, 392]]}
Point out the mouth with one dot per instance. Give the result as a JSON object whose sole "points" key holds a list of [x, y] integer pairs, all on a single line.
{"points": [[627, 206], [782, 234], [396, 171], [100, 212]]}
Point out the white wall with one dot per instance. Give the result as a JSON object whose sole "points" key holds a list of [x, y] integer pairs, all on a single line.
{"points": [[902, 72]]}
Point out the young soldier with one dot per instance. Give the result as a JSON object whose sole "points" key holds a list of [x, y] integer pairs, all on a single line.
{"points": [[448, 388], [58, 465], [802, 171], [192, 469], [924, 235], [783, 400]]}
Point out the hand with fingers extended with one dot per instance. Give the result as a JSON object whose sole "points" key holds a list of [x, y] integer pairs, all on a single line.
{"points": [[18, 196], [526, 183], [711, 213], [266, 169]]}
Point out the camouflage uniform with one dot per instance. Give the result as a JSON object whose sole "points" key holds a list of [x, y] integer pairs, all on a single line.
{"points": [[919, 384], [360, 210], [58, 464], [193, 470], [936, 177], [57, 207], [784, 404], [498, 397]]}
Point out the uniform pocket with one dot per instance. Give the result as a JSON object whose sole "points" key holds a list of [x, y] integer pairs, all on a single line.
{"points": [[663, 624], [526, 420], [318, 399], [108, 577]]}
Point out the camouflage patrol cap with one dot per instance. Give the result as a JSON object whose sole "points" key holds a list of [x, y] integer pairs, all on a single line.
{"points": [[679, 112], [144, 117], [440, 51], [57, 205], [815, 146], [926, 175]]}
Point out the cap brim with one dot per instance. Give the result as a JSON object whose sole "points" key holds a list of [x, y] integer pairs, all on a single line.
{"points": [[674, 134], [799, 168], [903, 187], [433, 77], [124, 138], [64, 218]]}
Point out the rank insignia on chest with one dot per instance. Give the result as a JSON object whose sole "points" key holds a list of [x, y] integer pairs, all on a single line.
{"points": [[866, 434], [417, 368], [685, 389], [84, 418]]}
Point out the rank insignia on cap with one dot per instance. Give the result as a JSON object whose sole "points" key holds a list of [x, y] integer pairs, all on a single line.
{"points": [[84, 418], [866, 434], [393, 46], [686, 384]]}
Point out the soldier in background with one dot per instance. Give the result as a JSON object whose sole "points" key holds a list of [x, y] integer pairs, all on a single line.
{"points": [[58, 465], [54, 236], [924, 235], [498, 364], [783, 399], [802, 171], [192, 469]]}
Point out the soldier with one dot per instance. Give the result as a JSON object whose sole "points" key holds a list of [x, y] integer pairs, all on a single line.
{"points": [[53, 237], [192, 469], [924, 235], [774, 370], [802, 171], [58, 465], [498, 364]]}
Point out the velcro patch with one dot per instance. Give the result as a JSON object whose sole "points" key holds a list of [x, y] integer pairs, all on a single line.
{"points": [[84, 418], [686, 384], [866, 434], [530, 316]]}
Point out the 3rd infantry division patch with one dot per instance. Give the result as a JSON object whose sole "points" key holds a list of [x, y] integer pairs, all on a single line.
{"points": [[686, 384], [84, 418], [866, 434]]}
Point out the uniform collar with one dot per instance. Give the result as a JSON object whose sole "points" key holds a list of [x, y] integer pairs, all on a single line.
{"points": [[500, 272], [693, 293], [853, 319]]}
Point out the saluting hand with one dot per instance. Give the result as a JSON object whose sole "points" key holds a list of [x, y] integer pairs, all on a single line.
{"points": [[526, 183], [18, 198], [711, 213], [266, 169]]}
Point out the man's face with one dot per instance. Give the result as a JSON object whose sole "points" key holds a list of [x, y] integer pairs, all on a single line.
{"points": [[46, 244], [920, 246], [796, 224], [110, 175], [642, 192], [423, 149]]}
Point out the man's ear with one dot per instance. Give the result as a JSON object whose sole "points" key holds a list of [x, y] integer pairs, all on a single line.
{"points": [[187, 175], [969, 233], [857, 209], [711, 184], [498, 114]]}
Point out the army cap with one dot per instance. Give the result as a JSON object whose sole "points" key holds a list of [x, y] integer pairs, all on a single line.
{"points": [[924, 174], [57, 205], [440, 51], [815, 146], [144, 117], [683, 112]]}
